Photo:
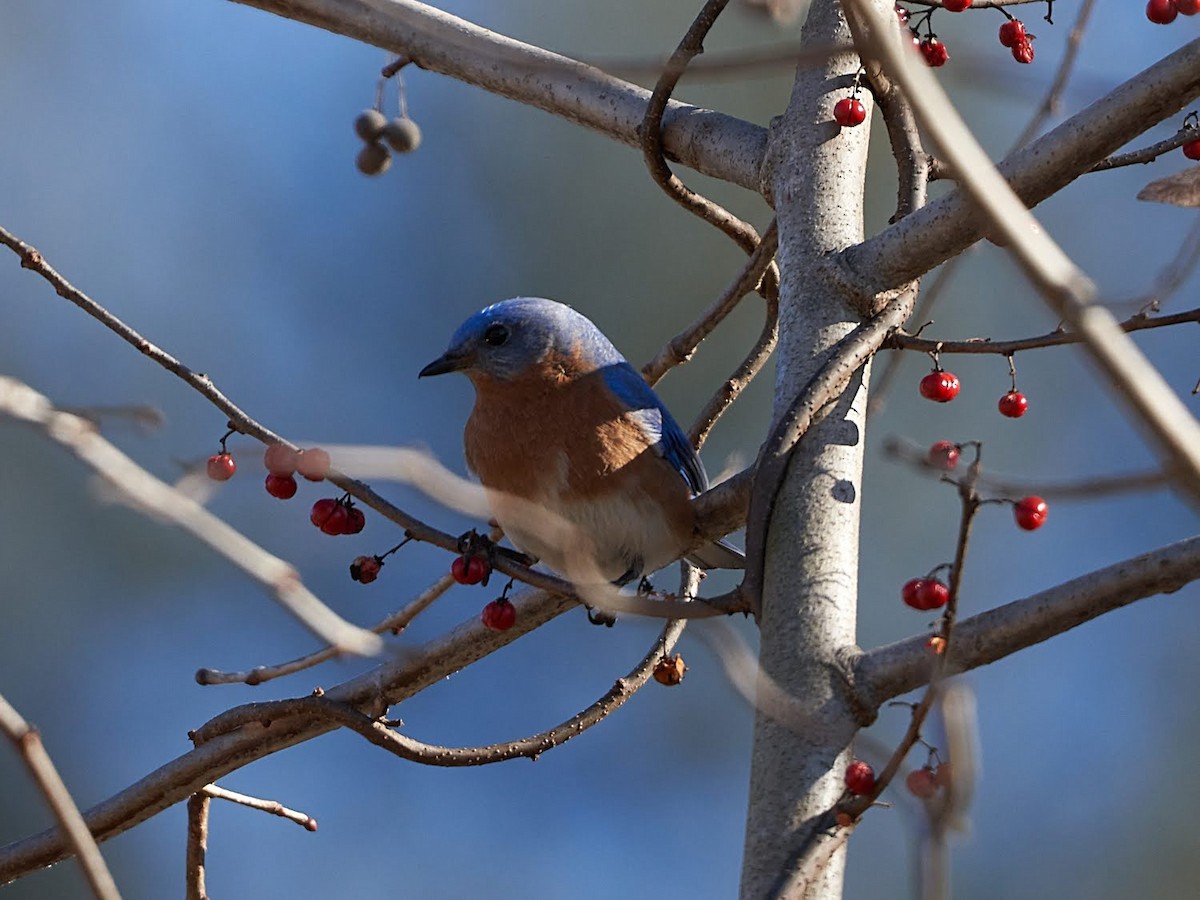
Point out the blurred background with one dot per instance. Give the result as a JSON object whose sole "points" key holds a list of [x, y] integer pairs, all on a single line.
{"points": [[191, 166]]}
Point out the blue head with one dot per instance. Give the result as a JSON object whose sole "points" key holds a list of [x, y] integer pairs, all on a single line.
{"points": [[509, 337]]}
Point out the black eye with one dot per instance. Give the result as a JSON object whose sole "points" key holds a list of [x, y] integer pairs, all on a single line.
{"points": [[495, 335]]}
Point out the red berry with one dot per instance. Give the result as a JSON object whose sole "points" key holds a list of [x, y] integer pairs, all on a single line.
{"points": [[355, 520], [281, 486], [469, 569], [221, 467], [935, 52], [1188, 7], [859, 777], [365, 569], [1013, 404], [1192, 148], [925, 593], [1030, 513], [911, 591], [902, 15], [849, 111], [280, 459], [922, 783], [1012, 32], [329, 515], [955, 5], [944, 455], [1022, 51], [499, 615], [313, 464], [939, 386], [1161, 12]]}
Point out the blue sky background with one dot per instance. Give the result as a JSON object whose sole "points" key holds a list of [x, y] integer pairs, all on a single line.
{"points": [[190, 165]]}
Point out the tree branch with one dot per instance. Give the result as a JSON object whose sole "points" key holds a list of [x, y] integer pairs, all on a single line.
{"points": [[1064, 287], [712, 143], [887, 672], [154, 497], [28, 744]]}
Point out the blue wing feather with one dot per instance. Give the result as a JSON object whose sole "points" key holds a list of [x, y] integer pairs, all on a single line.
{"points": [[661, 429]]}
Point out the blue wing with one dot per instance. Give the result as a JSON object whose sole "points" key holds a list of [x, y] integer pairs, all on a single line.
{"points": [[661, 429]]}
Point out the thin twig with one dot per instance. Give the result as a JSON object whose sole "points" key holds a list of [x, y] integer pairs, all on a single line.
{"points": [[197, 845], [651, 136], [28, 744], [881, 383], [681, 347], [532, 747], [1151, 153], [394, 624], [273, 807], [970, 500], [1053, 100], [741, 377], [1086, 488], [901, 341]]}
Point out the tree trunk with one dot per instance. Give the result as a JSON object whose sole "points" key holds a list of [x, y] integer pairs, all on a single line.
{"points": [[815, 172]]}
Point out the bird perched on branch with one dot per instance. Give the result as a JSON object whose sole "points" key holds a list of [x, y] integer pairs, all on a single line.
{"points": [[583, 465]]}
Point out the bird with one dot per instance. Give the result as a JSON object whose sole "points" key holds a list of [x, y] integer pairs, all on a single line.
{"points": [[583, 465]]}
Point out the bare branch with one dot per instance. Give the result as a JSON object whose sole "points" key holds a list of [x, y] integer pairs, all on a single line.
{"points": [[681, 347], [709, 142], [394, 623], [154, 497], [1053, 100], [887, 672], [28, 744], [531, 747], [197, 845], [273, 807], [1065, 288], [1085, 488], [918, 243], [1140, 322], [1151, 153]]}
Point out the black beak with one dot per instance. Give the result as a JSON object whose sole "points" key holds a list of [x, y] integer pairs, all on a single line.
{"points": [[450, 361]]}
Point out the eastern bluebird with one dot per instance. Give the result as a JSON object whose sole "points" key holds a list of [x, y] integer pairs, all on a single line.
{"points": [[563, 423]]}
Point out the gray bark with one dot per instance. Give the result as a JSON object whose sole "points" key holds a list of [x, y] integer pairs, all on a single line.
{"points": [[815, 172]]}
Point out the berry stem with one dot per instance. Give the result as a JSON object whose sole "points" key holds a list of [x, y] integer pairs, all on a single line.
{"points": [[407, 537], [1012, 371]]}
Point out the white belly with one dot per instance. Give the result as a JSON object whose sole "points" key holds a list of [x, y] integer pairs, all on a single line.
{"points": [[589, 543]]}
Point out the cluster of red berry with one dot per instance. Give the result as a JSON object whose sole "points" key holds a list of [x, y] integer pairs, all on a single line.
{"points": [[934, 52], [1014, 36], [283, 463], [337, 516], [500, 614], [1163, 12]]}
